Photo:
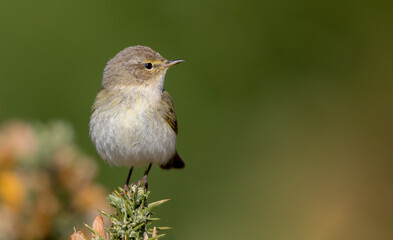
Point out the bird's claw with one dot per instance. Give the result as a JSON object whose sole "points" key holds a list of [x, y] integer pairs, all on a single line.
{"points": [[142, 181]]}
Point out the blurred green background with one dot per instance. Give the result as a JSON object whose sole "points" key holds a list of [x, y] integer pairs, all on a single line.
{"points": [[285, 108]]}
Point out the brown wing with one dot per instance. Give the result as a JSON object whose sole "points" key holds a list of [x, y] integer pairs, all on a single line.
{"points": [[170, 115]]}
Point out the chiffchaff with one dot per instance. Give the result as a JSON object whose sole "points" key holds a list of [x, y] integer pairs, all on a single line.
{"points": [[133, 122]]}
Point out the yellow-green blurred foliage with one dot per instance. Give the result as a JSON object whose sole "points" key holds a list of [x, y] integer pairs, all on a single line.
{"points": [[46, 182], [285, 108]]}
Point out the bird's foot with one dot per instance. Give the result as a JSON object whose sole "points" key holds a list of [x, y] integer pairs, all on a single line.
{"points": [[144, 180], [141, 182]]}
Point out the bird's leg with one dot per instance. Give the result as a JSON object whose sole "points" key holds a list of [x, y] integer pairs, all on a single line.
{"points": [[128, 179], [144, 178], [148, 169]]}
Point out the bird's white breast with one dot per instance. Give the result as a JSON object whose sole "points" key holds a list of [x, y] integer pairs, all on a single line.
{"points": [[133, 132]]}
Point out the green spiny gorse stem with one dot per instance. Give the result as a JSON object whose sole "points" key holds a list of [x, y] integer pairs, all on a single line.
{"points": [[132, 215]]}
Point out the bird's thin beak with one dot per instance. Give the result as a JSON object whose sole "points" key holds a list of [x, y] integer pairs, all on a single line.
{"points": [[171, 63]]}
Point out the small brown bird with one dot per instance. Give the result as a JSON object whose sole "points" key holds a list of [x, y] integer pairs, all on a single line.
{"points": [[133, 121]]}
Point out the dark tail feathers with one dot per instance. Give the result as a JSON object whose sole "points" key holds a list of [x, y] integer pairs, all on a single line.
{"points": [[175, 162]]}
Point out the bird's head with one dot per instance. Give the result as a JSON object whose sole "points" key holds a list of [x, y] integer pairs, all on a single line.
{"points": [[137, 65]]}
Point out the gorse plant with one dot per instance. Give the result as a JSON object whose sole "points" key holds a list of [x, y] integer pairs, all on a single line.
{"points": [[47, 182], [132, 218]]}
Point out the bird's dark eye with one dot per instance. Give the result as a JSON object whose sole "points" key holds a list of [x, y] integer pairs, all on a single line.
{"points": [[149, 66]]}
